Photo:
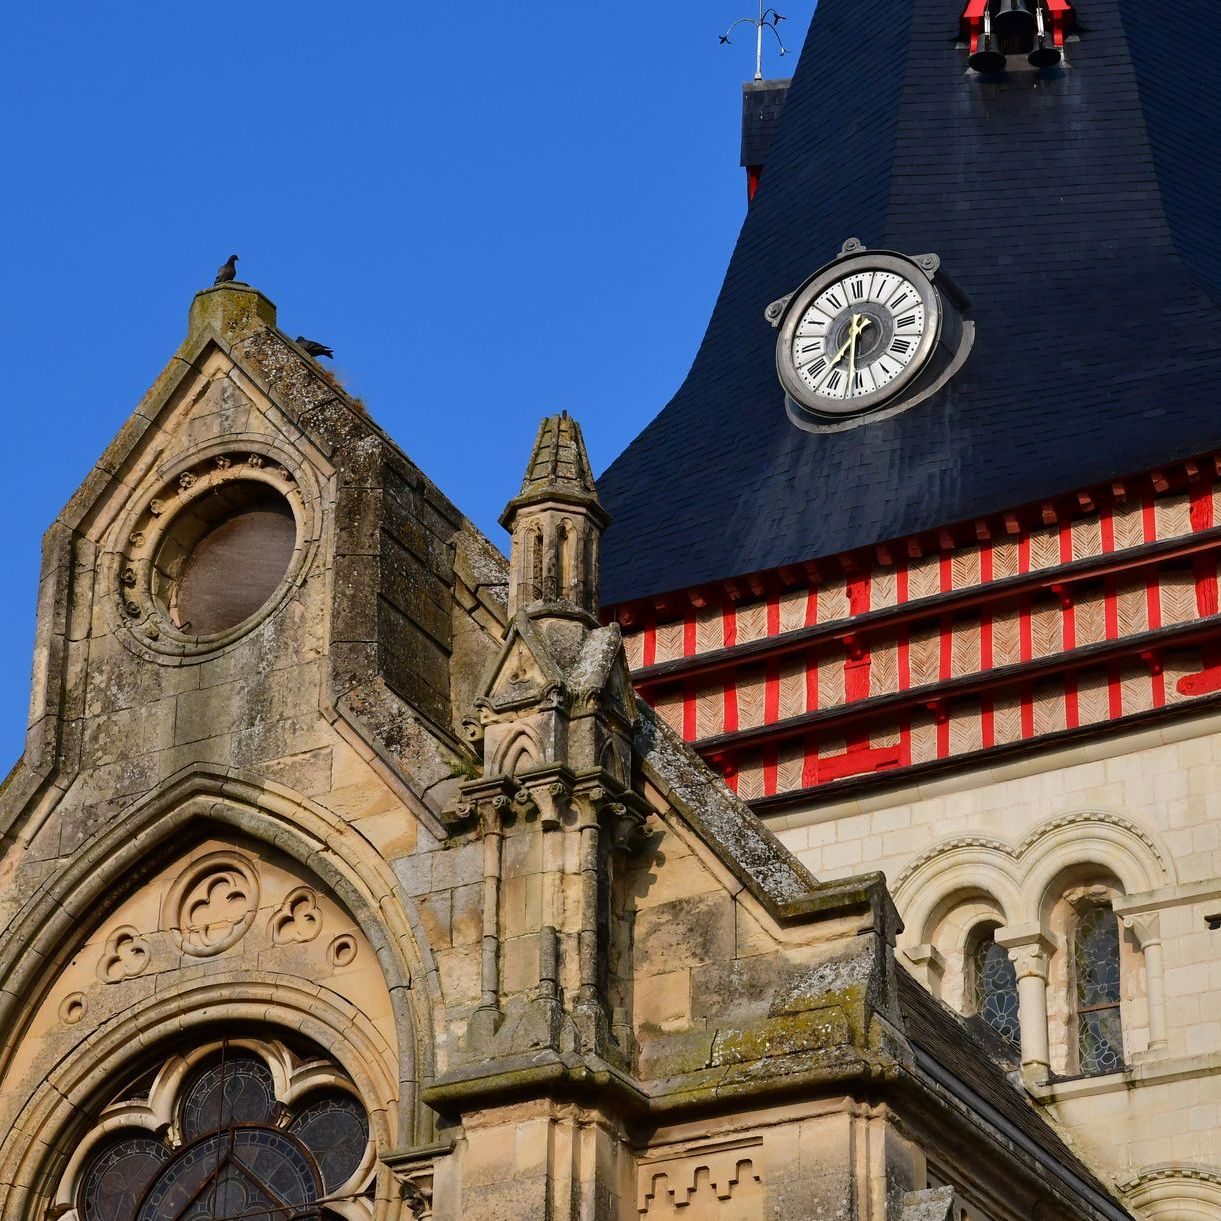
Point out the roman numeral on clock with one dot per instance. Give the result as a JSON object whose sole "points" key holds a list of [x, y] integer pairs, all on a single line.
{"points": [[815, 367], [900, 346]]}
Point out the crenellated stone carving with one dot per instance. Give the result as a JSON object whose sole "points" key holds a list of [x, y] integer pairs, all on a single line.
{"points": [[708, 1185]]}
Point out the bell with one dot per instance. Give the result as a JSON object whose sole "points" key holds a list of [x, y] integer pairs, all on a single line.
{"points": [[1045, 54], [1014, 21], [987, 56]]}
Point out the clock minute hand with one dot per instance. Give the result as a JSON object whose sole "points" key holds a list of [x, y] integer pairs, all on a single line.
{"points": [[858, 324], [847, 342]]}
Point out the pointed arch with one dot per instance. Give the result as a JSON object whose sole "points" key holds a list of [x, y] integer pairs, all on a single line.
{"points": [[37, 1152], [115, 861], [520, 750]]}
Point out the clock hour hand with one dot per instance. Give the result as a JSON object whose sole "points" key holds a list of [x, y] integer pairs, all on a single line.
{"points": [[856, 326]]}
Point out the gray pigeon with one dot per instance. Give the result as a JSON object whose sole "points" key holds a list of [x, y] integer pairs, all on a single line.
{"points": [[228, 270], [313, 347]]}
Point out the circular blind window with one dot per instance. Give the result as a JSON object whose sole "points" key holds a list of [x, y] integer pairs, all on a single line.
{"points": [[225, 556]]}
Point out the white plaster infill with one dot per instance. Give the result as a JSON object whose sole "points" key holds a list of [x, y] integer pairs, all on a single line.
{"points": [[1144, 1070]]}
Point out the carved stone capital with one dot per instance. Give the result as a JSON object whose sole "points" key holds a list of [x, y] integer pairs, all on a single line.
{"points": [[622, 812], [550, 792], [1030, 949], [1146, 928], [414, 1174], [486, 803]]}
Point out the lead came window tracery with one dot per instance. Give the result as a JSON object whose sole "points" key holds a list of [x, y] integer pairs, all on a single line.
{"points": [[994, 981], [261, 1137], [1096, 962]]}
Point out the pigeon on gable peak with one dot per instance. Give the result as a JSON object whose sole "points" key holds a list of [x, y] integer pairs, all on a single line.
{"points": [[227, 270]]}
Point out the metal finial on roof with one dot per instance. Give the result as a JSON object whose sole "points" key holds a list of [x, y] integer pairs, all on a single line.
{"points": [[768, 19]]}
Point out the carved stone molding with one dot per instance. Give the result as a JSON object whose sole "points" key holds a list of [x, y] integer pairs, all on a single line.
{"points": [[125, 955], [1173, 1191], [297, 919], [699, 1183], [212, 904], [1031, 840], [1016, 877], [134, 564]]}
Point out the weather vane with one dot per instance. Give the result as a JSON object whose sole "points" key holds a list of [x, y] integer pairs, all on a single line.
{"points": [[768, 19]]}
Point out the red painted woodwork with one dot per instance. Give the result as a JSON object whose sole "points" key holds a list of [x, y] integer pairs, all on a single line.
{"points": [[1042, 621]]}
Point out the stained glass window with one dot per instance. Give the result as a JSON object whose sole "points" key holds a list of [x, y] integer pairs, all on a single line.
{"points": [[119, 1176], [232, 1089], [242, 1153], [995, 985], [1096, 960], [336, 1127]]}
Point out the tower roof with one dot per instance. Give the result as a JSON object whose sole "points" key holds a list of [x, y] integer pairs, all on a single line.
{"points": [[1079, 209], [558, 468]]}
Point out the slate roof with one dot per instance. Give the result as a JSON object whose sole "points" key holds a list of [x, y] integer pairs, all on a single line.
{"points": [[1081, 211], [943, 1037]]}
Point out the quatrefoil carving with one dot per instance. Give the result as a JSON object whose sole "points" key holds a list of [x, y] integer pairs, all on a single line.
{"points": [[212, 903], [298, 918], [125, 956]]}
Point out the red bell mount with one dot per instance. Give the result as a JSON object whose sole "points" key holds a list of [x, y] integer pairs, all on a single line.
{"points": [[986, 27]]}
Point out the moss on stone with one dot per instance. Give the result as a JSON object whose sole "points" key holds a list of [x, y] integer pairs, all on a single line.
{"points": [[230, 310]]}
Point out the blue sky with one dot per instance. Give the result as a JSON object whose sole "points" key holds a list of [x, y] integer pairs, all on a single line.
{"points": [[490, 218]]}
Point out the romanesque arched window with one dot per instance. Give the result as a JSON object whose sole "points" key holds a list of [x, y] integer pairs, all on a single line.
{"points": [[242, 1129], [993, 984], [1097, 1012]]}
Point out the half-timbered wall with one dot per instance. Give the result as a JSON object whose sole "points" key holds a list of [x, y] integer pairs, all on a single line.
{"points": [[1052, 621]]}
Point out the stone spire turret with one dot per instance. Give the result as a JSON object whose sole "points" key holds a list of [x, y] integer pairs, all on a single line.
{"points": [[556, 521]]}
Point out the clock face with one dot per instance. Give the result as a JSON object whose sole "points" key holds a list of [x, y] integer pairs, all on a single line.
{"points": [[855, 336], [859, 335]]}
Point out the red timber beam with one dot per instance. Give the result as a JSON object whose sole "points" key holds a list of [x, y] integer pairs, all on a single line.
{"points": [[1057, 582], [1144, 538]]}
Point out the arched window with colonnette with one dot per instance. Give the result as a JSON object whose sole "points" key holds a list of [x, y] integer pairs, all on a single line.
{"points": [[992, 986], [1096, 954]]}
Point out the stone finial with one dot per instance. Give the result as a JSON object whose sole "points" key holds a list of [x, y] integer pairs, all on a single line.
{"points": [[556, 521], [230, 309], [558, 469]]}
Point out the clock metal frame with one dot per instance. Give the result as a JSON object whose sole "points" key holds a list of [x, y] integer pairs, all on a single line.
{"points": [[942, 348]]}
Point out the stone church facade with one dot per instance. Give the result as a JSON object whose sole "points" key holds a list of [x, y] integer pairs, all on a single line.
{"points": [[391, 899], [845, 849]]}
